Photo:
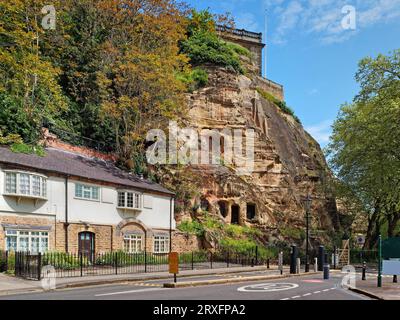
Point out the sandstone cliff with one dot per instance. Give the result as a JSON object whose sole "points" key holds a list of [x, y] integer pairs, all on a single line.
{"points": [[288, 162]]}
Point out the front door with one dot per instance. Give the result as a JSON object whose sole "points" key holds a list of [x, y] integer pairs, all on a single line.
{"points": [[86, 245], [235, 214]]}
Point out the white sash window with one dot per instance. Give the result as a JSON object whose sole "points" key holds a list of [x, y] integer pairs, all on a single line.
{"points": [[32, 241]]}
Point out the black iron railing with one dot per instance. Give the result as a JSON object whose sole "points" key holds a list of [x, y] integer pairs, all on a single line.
{"points": [[3, 261], [30, 266]]}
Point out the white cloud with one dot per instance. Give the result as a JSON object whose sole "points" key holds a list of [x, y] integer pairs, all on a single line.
{"points": [[321, 131], [247, 21], [289, 18], [322, 18]]}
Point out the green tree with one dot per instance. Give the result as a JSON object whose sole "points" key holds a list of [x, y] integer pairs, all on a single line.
{"points": [[29, 88], [364, 149]]}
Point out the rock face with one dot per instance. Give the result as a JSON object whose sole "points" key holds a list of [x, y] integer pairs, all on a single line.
{"points": [[288, 164]]}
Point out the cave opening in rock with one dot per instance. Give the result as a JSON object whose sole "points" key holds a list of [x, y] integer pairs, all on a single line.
{"points": [[251, 211], [222, 208], [204, 204], [235, 214]]}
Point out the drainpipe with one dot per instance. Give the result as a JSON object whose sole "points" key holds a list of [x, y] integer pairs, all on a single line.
{"points": [[112, 236], [66, 224], [170, 224]]}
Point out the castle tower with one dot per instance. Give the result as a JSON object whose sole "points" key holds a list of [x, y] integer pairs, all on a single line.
{"points": [[250, 40]]}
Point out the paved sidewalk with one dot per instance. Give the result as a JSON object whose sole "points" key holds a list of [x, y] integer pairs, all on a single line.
{"points": [[388, 291], [12, 285]]}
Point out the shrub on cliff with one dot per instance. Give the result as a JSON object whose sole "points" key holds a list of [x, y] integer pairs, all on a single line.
{"points": [[280, 104], [195, 79], [191, 227], [204, 46]]}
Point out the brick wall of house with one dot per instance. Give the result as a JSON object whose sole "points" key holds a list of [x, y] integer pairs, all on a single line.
{"points": [[107, 238], [28, 221], [103, 236], [184, 242]]}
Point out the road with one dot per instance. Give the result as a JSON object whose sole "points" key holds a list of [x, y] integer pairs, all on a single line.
{"points": [[294, 288]]}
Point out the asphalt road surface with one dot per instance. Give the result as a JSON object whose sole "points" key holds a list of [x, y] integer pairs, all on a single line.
{"points": [[294, 288]]}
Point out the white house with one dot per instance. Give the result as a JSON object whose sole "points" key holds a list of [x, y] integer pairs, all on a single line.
{"points": [[68, 201]]}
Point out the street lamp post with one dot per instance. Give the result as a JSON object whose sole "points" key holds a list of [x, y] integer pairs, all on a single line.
{"points": [[307, 205]]}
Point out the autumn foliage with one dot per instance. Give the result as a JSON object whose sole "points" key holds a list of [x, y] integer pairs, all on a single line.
{"points": [[109, 71]]}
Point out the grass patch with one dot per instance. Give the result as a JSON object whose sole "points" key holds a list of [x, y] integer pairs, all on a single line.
{"points": [[191, 227], [291, 232], [280, 104], [238, 49], [28, 149]]}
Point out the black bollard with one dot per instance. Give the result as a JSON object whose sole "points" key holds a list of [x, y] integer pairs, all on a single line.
{"points": [[364, 267], [395, 279], [268, 263], [326, 268], [293, 258], [334, 257], [321, 254]]}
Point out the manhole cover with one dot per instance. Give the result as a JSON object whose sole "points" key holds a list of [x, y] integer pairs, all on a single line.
{"points": [[268, 287]]}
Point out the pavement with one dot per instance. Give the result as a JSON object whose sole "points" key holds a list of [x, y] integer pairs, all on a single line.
{"points": [[304, 287], [11, 284], [369, 287]]}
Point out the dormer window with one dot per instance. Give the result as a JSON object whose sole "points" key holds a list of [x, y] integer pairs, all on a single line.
{"points": [[25, 184], [129, 200]]}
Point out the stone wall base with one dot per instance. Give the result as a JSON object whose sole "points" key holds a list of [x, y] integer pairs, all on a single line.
{"points": [[106, 237]]}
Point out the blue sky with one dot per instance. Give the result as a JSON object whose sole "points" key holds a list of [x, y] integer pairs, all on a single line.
{"points": [[309, 51]]}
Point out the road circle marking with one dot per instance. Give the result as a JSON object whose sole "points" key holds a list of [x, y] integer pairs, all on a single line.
{"points": [[268, 287]]}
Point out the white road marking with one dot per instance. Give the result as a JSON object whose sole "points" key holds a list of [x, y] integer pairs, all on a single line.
{"points": [[130, 291], [308, 294], [268, 287]]}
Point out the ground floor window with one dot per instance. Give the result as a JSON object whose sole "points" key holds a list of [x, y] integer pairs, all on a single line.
{"points": [[32, 241], [133, 243], [161, 244]]}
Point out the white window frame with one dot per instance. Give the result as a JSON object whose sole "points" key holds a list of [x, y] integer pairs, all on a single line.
{"points": [[137, 199], [42, 185], [89, 188], [135, 241], [163, 243], [30, 234]]}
